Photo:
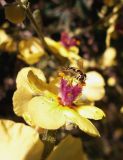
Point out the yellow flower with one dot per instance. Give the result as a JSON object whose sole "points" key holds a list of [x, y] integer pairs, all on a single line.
{"points": [[108, 58], [111, 81], [94, 89], [50, 107], [6, 42], [19, 142], [109, 3], [121, 109], [71, 53], [30, 50]]}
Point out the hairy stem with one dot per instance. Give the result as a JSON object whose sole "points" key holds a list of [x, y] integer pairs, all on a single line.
{"points": [[49, 139]]}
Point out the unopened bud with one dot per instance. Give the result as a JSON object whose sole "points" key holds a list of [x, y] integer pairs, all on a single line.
{"points": [[15, 13]]}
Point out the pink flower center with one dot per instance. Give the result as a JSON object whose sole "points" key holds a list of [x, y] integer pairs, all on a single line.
{"points": [[68, 92], [67, 41]]}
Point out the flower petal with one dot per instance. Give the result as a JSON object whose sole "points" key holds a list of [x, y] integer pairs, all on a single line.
{"points": [[21, 98], [45, 111], [91, 112], [19, 142], [24, 93], [52, 44], [36, 84], [74, 50], [121, 109], [93, 93], [58, 48], [83, 123], [22, 77], [39, 85], [94, 79], [31, 50], [69, 148]]}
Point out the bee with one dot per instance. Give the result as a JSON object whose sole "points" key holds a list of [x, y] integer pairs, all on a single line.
{"points": [[74, 72]]}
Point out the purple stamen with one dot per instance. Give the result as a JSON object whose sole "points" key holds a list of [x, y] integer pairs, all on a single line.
{"points": [[67, 41], [68, 92]]}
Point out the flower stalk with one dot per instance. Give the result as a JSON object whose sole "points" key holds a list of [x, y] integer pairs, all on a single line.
{"points": [[26, 6], [49, 139]]}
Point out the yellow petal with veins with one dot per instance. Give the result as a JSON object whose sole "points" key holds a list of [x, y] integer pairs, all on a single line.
{"points": [[19, 142]]}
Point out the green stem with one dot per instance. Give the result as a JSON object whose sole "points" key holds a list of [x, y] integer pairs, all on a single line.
{"points": [[38, 30], [35, 25], [49, 139]]}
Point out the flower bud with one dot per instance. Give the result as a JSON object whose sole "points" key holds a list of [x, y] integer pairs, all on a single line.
{"points": [[15, 13]]}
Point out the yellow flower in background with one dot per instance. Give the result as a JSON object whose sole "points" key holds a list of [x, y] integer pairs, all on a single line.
{"points": [[66, 47], [89, 63], [19, 142], [4, 37], [121, 110], [50, 107], [58, 48], [30, 50], [6, 42], [111, 81], [109, 2], [108, 58], [94, 89]]}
